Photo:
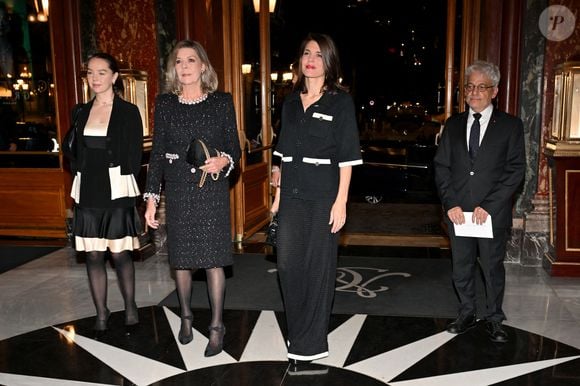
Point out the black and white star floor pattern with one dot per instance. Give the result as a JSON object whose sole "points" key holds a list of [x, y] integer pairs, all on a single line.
{"points": [[364, 351]]}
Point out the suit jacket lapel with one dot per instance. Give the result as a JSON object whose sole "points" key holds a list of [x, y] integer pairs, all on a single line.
{"points": [[490, 130], [463, 136]]}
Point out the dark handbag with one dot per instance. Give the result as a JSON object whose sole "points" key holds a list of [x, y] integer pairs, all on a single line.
{"points": [[272, 231], [69, 142], [197, 154]]}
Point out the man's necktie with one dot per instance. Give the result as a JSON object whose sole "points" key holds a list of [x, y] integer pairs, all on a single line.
{"points": [[474, 137]]}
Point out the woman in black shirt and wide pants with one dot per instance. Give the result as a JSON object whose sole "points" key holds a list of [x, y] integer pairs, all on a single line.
{"points": [[318, 146]]}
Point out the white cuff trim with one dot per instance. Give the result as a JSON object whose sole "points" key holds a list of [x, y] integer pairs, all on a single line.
{"points": [[287, 159], [278, 153], [350, 163], [122, 185], [230, 163], [154, 196]]}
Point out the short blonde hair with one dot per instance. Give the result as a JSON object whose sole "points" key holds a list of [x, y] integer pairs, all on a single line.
{"points": [[209, 79]]}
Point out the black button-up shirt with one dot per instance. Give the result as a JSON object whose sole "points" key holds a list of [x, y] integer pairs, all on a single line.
{"points": [[315, 143]]}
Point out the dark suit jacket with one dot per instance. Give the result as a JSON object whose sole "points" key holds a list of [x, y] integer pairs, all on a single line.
{"points": [[491, 181], [124, 136]]}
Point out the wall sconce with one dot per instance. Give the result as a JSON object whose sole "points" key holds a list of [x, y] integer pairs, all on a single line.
{"points": [[274, 76], [287, 77], [565, 133], [246, 69], [41, 8], [271, 6]]}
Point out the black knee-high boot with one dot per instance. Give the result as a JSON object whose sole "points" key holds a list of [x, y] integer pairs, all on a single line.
{"points": [[97, 272]]}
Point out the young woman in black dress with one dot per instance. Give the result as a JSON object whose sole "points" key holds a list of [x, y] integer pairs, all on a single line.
{"points": [[108, 159]]}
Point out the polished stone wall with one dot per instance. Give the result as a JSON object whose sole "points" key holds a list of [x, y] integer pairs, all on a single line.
{"points": [[531, 77], [540, 57], [166, 37]]}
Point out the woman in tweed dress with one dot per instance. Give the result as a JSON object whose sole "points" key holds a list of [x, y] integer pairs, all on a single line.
{"points": [[198, 218]]}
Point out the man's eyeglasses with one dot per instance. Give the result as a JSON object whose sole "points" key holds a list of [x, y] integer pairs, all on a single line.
{"points": [[469, 87]]}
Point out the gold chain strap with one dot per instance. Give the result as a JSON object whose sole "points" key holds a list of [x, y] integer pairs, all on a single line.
{"points": [[214, 176]]}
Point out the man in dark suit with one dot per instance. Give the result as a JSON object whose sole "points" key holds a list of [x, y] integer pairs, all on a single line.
{"points": [[479, 165]]}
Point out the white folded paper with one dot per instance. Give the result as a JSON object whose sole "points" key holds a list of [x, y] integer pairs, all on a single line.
{"points": [[471, 229]]}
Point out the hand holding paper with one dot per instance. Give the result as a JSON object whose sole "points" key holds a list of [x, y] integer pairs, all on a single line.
{"points": [[471, 229]]}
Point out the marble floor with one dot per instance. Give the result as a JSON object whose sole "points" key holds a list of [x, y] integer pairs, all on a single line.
{"points": [[46, 338]]}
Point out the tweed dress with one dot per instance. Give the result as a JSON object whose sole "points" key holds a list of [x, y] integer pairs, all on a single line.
{"points": [[197, 219]]}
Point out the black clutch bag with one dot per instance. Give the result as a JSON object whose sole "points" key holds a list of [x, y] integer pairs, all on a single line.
{"points": [[197, 154], [272, 231]]}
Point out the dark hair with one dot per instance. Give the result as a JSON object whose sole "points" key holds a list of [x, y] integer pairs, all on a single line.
{"points": [[330, 59], [209, 79], [118, 87]]}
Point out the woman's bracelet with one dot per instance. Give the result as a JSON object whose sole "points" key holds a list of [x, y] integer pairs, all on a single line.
{"points": [[230, 161], [275, 169]]}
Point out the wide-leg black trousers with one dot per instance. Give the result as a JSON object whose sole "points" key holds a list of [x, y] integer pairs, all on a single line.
{"points": [[307, 258]]}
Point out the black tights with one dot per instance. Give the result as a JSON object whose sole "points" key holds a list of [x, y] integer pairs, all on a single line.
{"points": [[216, 289], [97, 272]]}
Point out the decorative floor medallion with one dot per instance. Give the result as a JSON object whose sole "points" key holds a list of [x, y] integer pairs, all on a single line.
{"points": [[365, 350]]}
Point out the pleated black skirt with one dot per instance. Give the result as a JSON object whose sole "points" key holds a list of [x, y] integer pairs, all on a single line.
{"points": [[97, 229]]}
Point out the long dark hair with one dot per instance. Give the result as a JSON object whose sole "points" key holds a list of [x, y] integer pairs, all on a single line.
{"points": [[330, 59], [118, 87]]}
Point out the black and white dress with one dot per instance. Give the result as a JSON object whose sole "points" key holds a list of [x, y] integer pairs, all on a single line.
{"points": [[197, 219], [104, 187]]}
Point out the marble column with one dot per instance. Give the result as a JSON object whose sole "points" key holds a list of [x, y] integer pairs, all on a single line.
{"points": [[530, 213], [532, 81]]}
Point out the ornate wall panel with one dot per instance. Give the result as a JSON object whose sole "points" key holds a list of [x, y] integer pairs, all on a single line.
{"points": [[127, 30]]}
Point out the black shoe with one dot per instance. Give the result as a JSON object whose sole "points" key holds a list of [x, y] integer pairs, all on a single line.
{"points": [[496, 332], [131, 315], [298, 367], [102, 324], [462, 324], [215, 349], [184, 337], [131, 319]]}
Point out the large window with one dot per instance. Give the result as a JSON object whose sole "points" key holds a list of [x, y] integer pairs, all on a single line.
{"points": [[28, 134]]}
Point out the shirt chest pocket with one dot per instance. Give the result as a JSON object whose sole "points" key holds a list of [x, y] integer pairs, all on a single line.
{"points": [[320, 125]]}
